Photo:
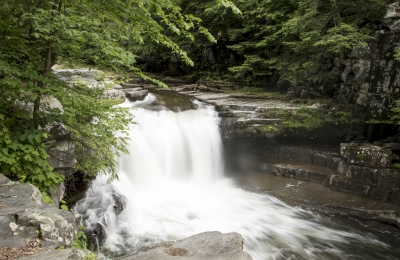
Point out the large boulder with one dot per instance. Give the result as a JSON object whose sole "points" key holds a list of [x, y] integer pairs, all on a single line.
{"points": [[23, 216], [204, 246], [114, 94], [137, 95]]}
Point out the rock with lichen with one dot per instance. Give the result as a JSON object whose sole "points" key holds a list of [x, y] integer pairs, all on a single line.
{"points": [[23, 215]]}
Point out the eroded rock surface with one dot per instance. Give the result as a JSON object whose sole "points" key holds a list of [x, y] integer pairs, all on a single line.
{"points": [[204, 246]]}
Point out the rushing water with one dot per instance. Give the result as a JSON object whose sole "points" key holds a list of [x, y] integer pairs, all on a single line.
{"points": [[174, 185]]}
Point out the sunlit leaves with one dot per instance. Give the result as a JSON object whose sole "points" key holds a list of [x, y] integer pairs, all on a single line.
{"points": [[35, 34]]}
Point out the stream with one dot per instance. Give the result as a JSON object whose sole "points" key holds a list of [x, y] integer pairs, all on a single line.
{"points": [[173, 186]]}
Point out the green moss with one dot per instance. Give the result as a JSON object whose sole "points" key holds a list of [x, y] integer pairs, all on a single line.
{"points": [[310, 118], [361, 156], [396, 166], [101, 76], [270, 129], [387, 151], [258, 92]]}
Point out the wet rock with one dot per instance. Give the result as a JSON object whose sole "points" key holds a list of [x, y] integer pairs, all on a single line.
{"points": [[137, 95], [318, 177], [329, 159], [204, 246], [363, 175], [349, 187], [95, 237], [119, 203], [319, 159], [379, 194], [23, 216], [132, 89], [303, 175]]}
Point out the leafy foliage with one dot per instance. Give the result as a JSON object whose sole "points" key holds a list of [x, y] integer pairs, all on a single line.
{"points": [[396, 113], [292, 39], [296, 38], [35, 34], [80, 239], [310, 118], [215, 15]]}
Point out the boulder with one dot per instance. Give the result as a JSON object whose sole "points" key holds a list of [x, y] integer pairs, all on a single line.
{"points": [[24, 216], [126, 90], [114, 94], [204, 246], [137, 95], [62, 157]]}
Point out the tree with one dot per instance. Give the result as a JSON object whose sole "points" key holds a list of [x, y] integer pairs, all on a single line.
{"points": [[216, 17], [296, 38], [35, 34]]}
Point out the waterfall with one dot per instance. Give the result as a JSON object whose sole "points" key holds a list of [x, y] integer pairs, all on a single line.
{"points": [[174, 187]]}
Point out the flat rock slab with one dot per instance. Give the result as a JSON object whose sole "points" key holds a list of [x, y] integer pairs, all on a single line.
{"points": [[204, 246], [65, 254], [222, 99]]}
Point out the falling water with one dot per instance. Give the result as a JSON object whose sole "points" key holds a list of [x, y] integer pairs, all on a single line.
{"points": [[174, 187]]}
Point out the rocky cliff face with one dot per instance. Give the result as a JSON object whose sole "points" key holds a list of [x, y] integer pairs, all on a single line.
{"points": [[370, 77]]}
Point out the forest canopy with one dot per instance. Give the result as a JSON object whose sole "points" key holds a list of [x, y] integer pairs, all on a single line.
{"points": [[36, 34], [289, 38]]}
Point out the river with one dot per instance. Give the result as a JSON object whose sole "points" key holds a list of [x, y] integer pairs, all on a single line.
{"points": [[174, 186]]}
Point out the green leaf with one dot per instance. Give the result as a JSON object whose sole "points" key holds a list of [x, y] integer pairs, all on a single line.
{"points": [[38, 138], [50, 119], [31, 138]]}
